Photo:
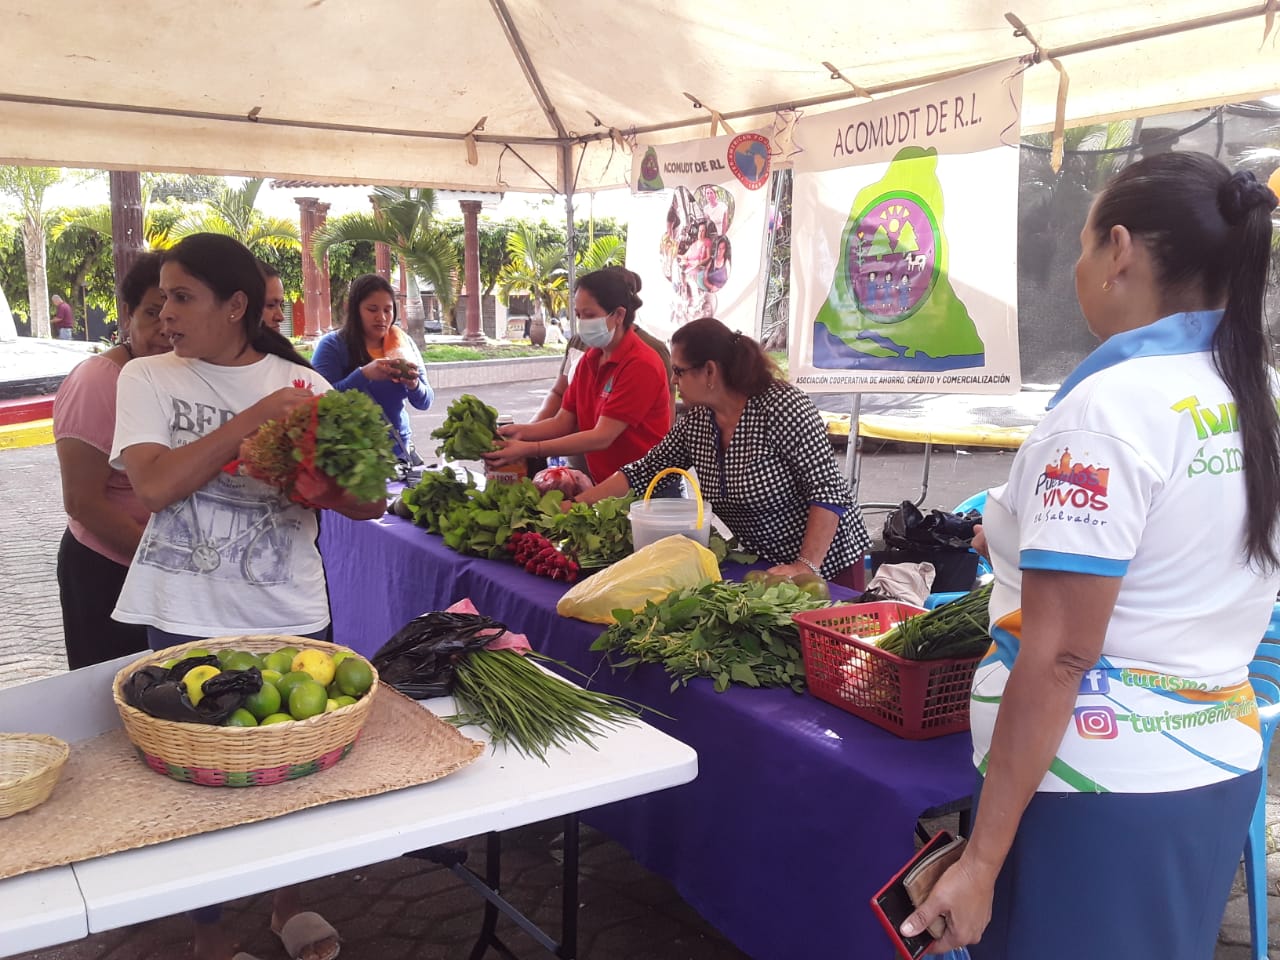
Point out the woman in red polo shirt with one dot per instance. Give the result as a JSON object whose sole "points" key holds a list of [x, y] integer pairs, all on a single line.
{"points": [[618, 404]]}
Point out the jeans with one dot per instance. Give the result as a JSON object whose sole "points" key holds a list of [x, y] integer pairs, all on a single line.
{"points": [[64, 333]]}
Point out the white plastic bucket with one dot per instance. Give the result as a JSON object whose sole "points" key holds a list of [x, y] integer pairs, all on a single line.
{"points": [[652, 520]]}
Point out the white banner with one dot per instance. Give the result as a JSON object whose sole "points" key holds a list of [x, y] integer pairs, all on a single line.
{"points": [[696, 230], [904, 240]]}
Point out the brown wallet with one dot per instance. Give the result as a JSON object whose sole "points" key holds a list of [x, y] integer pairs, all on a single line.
{"points": [[919, 881]]}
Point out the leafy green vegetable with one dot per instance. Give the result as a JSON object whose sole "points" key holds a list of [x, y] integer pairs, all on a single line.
{"points": [[727, 550], [956, 629], [435, 494], [469, 429], [595, 535], [730, 632], [353, 446], [483, 522], [524, 706]]}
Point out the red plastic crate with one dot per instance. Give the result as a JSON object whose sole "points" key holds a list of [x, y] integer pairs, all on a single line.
{"points": [[915, 699]]}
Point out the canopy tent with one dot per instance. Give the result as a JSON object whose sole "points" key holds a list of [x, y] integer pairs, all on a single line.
{"points": [[531, 95]]}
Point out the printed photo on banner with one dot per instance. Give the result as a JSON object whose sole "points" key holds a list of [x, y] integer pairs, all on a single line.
{"points": [[904, 241], [698, 209]]}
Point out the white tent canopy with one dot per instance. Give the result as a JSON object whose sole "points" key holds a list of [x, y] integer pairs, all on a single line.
{"points": [[388, 90]]}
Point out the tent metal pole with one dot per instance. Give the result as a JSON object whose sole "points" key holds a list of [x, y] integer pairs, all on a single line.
{"points": [[571, 244]]}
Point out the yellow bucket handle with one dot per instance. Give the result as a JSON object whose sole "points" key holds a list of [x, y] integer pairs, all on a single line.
{"points": [[697, 491]]}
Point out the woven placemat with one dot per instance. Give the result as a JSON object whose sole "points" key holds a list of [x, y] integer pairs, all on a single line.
{"points": [[108, 800]]}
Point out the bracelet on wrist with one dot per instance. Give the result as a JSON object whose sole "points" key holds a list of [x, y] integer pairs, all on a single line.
{"points": [[817, 570]]}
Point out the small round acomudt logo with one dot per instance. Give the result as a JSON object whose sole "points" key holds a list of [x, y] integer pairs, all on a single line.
{"points": [[749, 159]]}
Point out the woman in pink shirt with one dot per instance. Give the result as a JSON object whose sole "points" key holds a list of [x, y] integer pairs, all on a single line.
{"points": [[104, 517]]}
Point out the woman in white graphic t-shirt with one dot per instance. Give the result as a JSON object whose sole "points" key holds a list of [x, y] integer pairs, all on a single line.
{"points": [[1136, 548], [221, 554]]}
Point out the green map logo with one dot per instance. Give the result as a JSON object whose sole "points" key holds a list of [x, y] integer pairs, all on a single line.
{"points": [[891, 305]]}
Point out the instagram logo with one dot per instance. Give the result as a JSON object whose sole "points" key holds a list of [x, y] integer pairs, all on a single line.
{"points": [[1096, 723]]}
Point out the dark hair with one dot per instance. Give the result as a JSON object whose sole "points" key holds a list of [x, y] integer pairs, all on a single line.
{"points": [[268, 271], [352, 331], [226, 267], [614, 287], [746, 367], [1209, 232], [142, 276]]}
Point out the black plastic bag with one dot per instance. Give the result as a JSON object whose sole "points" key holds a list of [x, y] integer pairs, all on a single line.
{"points": [[908, 529], [420, 659], [160, 692]]}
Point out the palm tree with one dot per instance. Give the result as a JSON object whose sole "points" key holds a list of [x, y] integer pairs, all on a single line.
{"points": [[402, 218], [540, 270], [232, 213], [28, 186]]}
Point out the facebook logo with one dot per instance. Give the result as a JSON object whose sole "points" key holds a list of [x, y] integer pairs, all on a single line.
{"points": [[1095, 681]]}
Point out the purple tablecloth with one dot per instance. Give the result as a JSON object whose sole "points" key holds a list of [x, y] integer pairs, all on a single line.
{"points": [[800, 811]]}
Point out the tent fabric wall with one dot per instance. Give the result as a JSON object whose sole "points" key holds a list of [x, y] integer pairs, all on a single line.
{"points": [[405, 80]]}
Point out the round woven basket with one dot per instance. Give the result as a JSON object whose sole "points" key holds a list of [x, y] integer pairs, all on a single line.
{"points": [[241, 756], [30, 764]]}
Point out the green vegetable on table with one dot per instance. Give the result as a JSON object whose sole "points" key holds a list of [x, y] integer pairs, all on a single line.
{"points": [[595, 535], [956, 630], [469, 430], [434, 495], [483, 522], [523, 706], [729, 632]]}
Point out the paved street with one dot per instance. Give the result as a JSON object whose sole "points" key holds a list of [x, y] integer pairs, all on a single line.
{"points": [[409, 908]]}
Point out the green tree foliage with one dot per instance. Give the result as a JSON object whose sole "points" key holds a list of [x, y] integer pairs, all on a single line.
{"points": [[233, 213], [185, 187], [28, 186]]}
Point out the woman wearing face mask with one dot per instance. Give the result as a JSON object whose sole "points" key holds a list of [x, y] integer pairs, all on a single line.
{"points": [[371, 354], [104, 516], [618, 404]]}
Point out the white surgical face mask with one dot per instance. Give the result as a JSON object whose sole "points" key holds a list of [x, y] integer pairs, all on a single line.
{"points": [[595, 331]]}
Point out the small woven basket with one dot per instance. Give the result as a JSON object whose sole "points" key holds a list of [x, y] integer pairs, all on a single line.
{"points": [[241, 756], [30, 764]]}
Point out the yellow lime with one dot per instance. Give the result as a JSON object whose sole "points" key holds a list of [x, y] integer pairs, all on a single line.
{"points": [[355, 677], [317, 664], [275, 718], [341, 655], [345, 701], [241, 718], [281, 661], [265, 702], [308, 699], [195, 679], [330, 705], [290, 680], [272, 676]]}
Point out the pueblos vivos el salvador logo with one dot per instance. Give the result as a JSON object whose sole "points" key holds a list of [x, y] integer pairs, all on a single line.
{"points": [[1068, 483]]}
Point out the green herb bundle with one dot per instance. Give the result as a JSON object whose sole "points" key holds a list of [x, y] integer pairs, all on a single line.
{"points": [[353, 446], [523, 706], [432, 496], [957, 629], [482, 524], [730, 632], [469, 429], [596, 535]]}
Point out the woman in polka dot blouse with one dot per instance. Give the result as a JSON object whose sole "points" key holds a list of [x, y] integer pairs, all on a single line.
{"points": [[762, 457]]}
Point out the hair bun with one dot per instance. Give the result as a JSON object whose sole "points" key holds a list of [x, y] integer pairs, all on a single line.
{"points": [[1242, 193]]}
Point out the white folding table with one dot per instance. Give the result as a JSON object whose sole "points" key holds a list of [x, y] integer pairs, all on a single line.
{"points": [[501, 790]]}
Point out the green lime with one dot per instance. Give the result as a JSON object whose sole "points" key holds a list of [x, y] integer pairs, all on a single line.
{"points": [[345, 701], [342, 655], [355, 677], [265, 702], [275, 718], [196, 652], [291, 651], [272, 676], [331, 705], [291, 680], [241, 660], [280, 661], [169, 664], [225, 655], [307, 699], [241, 718]]}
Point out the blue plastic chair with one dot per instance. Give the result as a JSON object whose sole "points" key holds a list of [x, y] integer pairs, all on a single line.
{"points": [[1264, 674]]}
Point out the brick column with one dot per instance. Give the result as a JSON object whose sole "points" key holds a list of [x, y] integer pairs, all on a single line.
{"points": [[126, 233], [471, 266], [382, 261], [315, 277]]}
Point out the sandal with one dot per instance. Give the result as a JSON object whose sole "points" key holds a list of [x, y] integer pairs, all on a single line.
{"points": [[309, 929]]}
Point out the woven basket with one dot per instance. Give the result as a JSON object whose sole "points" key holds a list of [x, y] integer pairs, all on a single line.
{"points": [[30, 764], [241, 756]]}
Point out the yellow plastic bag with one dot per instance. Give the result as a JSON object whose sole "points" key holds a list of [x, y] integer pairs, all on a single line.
{"points": [[651, 573]]}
